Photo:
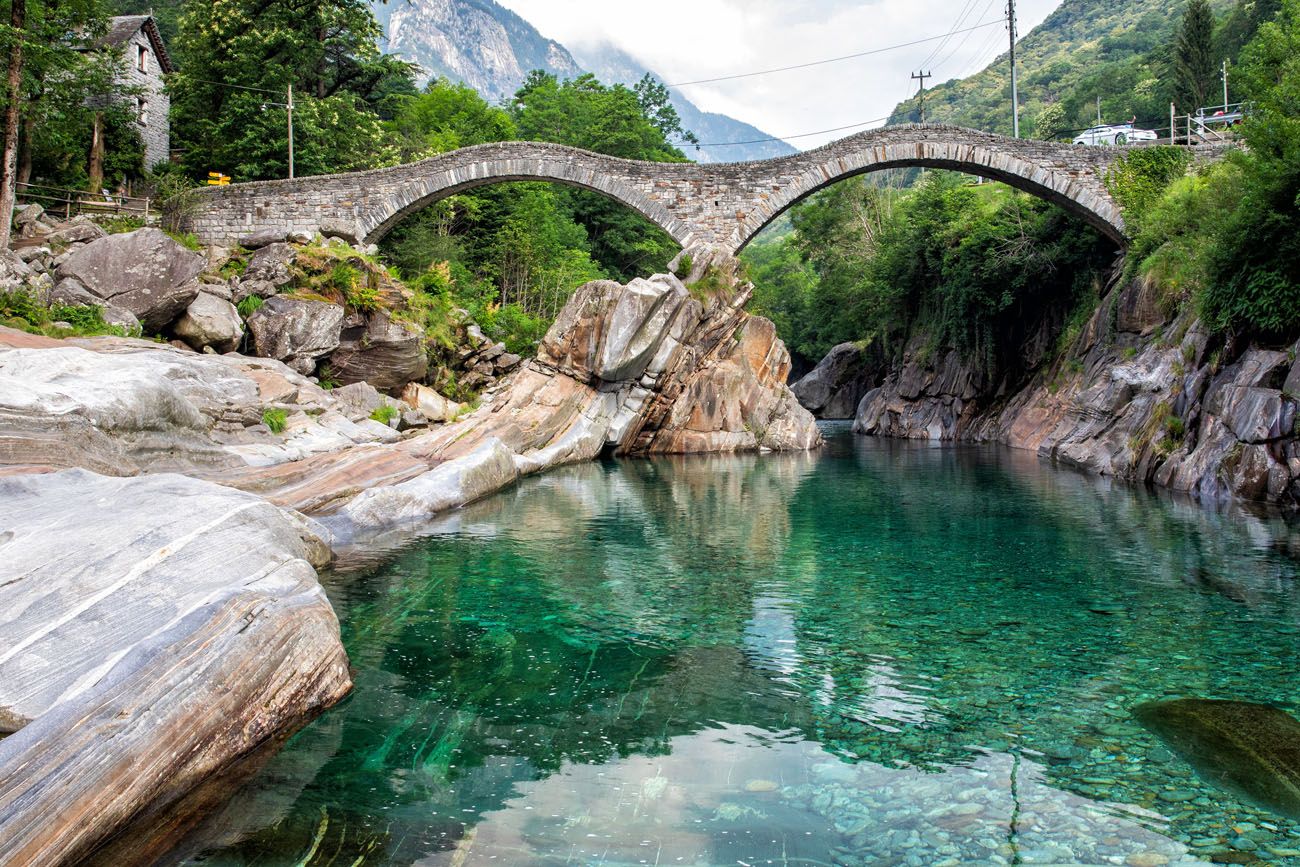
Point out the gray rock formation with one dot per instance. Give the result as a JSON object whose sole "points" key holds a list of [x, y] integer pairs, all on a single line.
{"points": [[380, 350], [1217, 423], [154, 631], [210, 321], [267, 271], [297, 331], [143, 272], [834, 388]]}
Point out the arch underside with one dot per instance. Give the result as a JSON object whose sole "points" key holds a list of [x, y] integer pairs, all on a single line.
{"points": [[421, 195], [1057, 191]]}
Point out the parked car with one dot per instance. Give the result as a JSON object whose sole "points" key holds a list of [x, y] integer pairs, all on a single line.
{"points": [[1114, 134]]}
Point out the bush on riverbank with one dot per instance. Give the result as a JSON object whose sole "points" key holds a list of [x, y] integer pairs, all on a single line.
{"points": [[1228, 237], [21, 310]]}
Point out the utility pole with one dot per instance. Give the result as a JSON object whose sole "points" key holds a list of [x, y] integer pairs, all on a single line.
{"points": [[920, 94], [1225, 85], [1015, 96], [289, 106]]}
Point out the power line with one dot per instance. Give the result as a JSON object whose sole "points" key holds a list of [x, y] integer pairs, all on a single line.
{"points": [[961, 19], [836, 59], [230, 84], [723, 144], [964, 39]]}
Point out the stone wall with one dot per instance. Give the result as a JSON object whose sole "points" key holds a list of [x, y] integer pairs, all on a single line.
{"points": [[720, 206]]}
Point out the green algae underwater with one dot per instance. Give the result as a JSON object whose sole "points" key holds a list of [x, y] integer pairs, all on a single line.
{"points": [[883, 653]]}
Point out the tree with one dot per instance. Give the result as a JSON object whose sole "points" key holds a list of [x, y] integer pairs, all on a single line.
{"points": [[657, 105], [1195, 66], [16, 35], [237, 59]]}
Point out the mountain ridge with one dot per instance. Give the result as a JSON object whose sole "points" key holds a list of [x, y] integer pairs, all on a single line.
{"points": [[492, 49]]}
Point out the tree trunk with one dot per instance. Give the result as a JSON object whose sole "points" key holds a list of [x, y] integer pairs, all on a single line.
{"points": [[25, 145], [17, 21], [95, 168]]}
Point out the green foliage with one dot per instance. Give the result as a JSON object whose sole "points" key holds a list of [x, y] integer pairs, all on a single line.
{"points": [[326, 378], [446, 116], [19, 309], [970, 267], [1139, 178], [384, 414], [1230, 237], [120, 224], [275, 419], [250, 305], [188, 240]]}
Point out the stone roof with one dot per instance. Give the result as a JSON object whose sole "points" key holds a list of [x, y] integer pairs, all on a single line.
{"points": [[122, 27]]}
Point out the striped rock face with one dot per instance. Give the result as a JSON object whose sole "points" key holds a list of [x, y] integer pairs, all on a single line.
{"points": [[721, 206]]}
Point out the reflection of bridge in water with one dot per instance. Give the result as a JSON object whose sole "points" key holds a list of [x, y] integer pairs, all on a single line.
{"points": [[698, 205]]}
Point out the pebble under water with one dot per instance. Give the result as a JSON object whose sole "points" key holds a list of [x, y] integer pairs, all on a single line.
{"points": [[880, 654]]}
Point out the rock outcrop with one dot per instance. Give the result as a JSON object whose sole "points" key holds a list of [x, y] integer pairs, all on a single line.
{"points": [[834, 388], [144, 272], [1139, 396], [297, 331], [380, 350], [154, 631]]}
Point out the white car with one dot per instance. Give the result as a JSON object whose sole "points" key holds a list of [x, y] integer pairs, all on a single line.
{"points": [[1122, 134]]}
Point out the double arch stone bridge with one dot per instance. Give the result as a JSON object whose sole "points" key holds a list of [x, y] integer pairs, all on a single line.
{"points": [[722, 206]]}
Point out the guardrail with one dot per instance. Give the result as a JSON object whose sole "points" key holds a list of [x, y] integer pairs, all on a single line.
{"points": [[70, 203]]}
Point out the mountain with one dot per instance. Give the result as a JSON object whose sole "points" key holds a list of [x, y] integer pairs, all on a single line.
{"points": [[1084, 50], [492, 49], [615, 66]]}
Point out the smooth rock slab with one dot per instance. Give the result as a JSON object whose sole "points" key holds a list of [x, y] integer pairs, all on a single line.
{"points": [[154, 631]]}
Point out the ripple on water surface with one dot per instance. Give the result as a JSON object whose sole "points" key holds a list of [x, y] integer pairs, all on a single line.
{"points": [[880, 654]]}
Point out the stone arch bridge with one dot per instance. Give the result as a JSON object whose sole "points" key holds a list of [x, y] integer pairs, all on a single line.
{"points": [[721, 205]]}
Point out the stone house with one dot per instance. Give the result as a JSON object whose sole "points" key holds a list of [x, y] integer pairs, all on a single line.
{"points": [[143, 61]]}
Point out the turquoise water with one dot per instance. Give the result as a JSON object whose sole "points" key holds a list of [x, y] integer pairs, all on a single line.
{"points": [[884, 653]]}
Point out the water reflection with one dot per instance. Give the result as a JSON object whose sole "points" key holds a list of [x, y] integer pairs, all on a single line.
{"points": [[883, 654]]}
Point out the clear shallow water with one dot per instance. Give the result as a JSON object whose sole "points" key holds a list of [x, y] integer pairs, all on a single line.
{"points": [[885, 653]]}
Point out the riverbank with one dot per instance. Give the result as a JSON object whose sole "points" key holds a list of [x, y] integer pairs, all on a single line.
{"points": [[241, 474]]}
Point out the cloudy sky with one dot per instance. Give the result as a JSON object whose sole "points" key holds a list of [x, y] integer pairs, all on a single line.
{"points": [[687, 40]]}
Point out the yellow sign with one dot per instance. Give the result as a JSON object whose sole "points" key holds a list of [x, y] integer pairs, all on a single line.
{"points": [[217, 179]]}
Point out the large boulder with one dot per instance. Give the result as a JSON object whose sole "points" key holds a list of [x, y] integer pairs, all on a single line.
{"points": [[380, 350], [267, 271], [210, 321], [432, 405], [144, 272], [834, 388], [297, 331], [73, 294]]}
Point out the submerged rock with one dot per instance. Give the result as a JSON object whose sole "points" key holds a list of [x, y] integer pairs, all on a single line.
{"points": [[1250, 749]]}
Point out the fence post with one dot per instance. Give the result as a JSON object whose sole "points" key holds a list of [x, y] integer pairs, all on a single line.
{"points": [[146, 211]]}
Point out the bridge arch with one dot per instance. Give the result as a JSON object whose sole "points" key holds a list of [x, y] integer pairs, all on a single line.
{"points": [[1064, 175], [429, 181]]}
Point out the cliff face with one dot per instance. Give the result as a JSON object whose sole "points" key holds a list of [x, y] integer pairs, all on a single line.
{"points": [[475, 41], [1140, 396]]}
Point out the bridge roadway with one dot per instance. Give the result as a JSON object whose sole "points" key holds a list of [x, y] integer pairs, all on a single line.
{"points": [[712, 205]]}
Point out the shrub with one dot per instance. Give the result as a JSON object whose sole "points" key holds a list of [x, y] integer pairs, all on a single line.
{"points": [[275, 419], [249, 305], [189, 240], [1140, 177], [384, 414]]}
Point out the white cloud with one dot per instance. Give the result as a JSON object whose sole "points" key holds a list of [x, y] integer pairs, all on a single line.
{"points": [[686, 40]]}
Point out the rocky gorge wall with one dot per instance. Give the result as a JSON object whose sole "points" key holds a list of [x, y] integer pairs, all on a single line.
{"points": [[1140, 394]]}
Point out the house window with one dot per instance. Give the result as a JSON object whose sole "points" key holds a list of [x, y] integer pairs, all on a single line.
{"points": [[142, 110], [141, 58]]}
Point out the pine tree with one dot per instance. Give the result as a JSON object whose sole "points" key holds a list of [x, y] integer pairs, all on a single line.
{"points": [[1195, 67]]}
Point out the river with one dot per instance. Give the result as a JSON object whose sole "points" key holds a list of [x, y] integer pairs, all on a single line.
{"points": [[882, 653]]}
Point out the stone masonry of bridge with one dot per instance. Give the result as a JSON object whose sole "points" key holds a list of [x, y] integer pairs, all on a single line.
{"points": [[720, 205]]}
